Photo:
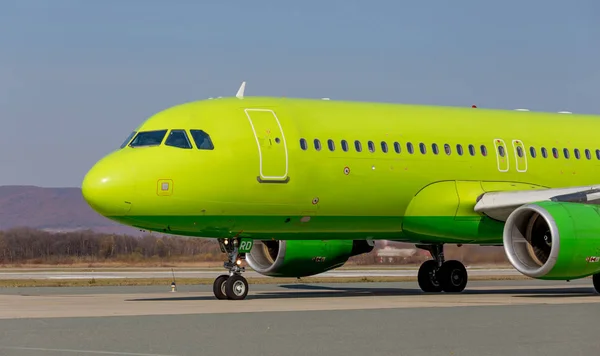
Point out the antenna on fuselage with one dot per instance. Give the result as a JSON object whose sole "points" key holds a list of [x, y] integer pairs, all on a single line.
{"points": [[240, 92]]}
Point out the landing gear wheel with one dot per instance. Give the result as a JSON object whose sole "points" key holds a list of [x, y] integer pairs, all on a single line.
{"points": [[428, 277], [453, 276], [236, 287], [596, 281], [219, 286], [232, 286]]}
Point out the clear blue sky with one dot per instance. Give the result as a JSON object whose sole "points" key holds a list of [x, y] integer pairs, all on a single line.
{"points": [[77, 76]]}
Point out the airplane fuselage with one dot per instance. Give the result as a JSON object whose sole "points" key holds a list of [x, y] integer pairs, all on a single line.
{"points": [[266, 176]]}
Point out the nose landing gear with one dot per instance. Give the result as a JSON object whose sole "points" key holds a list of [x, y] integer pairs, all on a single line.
{"points": [[233, 286], [438, 275]]}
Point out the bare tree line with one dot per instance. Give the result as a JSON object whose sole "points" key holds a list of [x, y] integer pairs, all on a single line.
{"points": [[24, 245], [31, 246]]}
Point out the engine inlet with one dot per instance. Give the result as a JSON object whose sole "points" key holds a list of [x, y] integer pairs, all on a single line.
{"points": [[531, 240]]}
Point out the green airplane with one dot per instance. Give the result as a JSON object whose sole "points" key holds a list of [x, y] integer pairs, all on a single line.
{"points": [[295, 187]]}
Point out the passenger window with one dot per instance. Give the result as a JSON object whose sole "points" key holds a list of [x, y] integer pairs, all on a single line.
{"points": [[588, 154], [544, 152], [598, 154], [519, 151], [459, 149], [317, 144], [483, 150], [397, 147], [127, 139], [423, 148], [566, 153], [358, 146], [532, 151], [384, 146], [472, 150], [555, 152], [202, 140], [410, 148], [371, 146], [303, 144], [178, 138], [501, 151], [577, 154], [331, 145], [345, 145], [148, 138], [447, 149], [434, 148]]}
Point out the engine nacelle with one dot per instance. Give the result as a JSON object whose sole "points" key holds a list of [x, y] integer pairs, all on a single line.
{"points": [[554, 240], [301, 258]]}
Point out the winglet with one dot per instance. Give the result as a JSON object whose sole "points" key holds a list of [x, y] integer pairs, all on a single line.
{"points": [[240, 93]]}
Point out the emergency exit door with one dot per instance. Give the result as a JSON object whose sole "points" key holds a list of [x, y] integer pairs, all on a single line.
{"points": [[501, 155]]}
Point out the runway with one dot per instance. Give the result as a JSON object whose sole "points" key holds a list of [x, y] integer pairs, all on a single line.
{"points": [[65, 273], [489, 318]]}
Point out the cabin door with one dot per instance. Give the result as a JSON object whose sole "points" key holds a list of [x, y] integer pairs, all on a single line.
{"points": [[270, 141]]}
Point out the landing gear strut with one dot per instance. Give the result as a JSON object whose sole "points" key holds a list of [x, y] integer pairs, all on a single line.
{"points": [[232, 286], [438, 275]]}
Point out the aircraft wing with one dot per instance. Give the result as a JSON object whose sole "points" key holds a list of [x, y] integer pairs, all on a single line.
{"points": [[499, 205]]}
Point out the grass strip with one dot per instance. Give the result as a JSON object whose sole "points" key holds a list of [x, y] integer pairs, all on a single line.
{"points": [[13, 283]]}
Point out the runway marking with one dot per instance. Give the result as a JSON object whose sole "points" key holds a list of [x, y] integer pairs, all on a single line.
{"points": [[83, 277], [79, 351]]}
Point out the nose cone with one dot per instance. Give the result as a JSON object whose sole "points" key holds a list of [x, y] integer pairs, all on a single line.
{"points": [[108, 188]]}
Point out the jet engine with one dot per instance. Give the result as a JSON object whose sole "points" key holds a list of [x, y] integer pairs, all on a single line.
{"points": [[554, 240], [301, 258]]}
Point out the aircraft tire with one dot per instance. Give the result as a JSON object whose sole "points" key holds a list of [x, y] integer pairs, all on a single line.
{"points": [[219, 286], [427, 277], [596, 282], [453, 276], [236, 287]]}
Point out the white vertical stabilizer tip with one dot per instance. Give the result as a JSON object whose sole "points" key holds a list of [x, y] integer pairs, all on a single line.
{"points": [[240, 93]]}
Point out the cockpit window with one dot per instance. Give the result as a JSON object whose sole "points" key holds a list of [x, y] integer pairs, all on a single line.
{"points": [[128, 139], [178, 138], [202, 140], [148, 138]]}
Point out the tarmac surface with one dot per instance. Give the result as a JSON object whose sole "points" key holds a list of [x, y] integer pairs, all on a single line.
{"points": [[525, 317]]}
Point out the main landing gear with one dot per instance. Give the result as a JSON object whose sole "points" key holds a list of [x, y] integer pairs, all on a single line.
{"points": [[438, 275], [232, 286]]}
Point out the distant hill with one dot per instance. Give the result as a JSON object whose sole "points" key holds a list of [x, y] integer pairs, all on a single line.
{"points": [[55, 209], [64, 209]]}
